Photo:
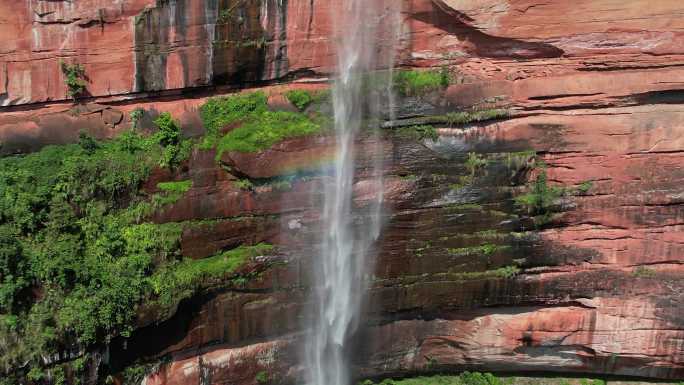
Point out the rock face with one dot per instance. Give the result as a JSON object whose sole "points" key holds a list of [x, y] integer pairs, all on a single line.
{"points": [[464, 278]]}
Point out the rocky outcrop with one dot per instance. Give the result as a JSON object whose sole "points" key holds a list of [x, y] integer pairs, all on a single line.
{"points": [[464, 277]]}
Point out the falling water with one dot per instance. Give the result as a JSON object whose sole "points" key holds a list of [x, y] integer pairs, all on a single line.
{"points": [[367, 32]]}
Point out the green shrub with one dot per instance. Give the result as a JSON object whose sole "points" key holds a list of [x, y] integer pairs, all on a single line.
{"points": [[74, 78], [416, 83], [169, 137], [541, 199], [299, 98]]}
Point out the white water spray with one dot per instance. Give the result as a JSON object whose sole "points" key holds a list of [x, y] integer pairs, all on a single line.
{"points": [[368, 31]]}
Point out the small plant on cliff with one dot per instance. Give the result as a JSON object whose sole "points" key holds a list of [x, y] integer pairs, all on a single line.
{"points": [[300, 98], [74, 78], [540, 201], [585, 186]]}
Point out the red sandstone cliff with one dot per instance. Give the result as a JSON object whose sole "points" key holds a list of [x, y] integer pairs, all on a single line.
{"points": [[596, 89]]}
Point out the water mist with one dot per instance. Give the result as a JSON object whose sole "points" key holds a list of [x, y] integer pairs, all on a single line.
{"points": [[368, 31]]}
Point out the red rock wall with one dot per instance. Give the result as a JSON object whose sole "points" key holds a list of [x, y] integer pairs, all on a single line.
{"points": [[131, 46], [595, 87]]}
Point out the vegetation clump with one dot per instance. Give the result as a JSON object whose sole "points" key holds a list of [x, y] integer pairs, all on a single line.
{"points": [[419, 132], [484, 249], [217, 113], [182, 279], [263, 131], [136, 116], [643, 272], [465, 117], [171, 192], [169, 137], [261, 377], [300, 98], [256, 129], [542, 198], [77, 256], [74, 78], [475, 162], [416, 83]]}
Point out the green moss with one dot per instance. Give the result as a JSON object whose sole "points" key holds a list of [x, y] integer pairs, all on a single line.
{"points": [[182, 279], [484, 249], [416, 83], [171, 192], [217, 113], [643, 272], [465, 207], [176, 187], [266, 129], [585, 186], [244, 184], [465, 117], [418, 132]]}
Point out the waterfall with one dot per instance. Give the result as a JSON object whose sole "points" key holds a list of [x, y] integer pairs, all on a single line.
{"points": [[367, 32]]}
